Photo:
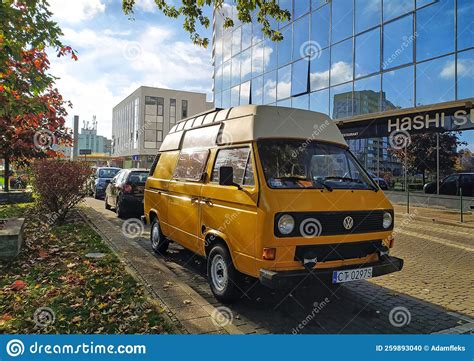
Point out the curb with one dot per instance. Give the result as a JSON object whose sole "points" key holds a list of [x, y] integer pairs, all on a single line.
{"points": [[196, 315], [437, 221]]}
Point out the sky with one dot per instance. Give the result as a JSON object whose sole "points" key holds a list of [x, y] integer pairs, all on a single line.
{"points": [[117, 55]]}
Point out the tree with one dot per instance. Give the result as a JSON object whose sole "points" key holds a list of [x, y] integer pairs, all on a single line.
{"points": [[32, 112], [420, 154], [466, 160], [192, 10]]}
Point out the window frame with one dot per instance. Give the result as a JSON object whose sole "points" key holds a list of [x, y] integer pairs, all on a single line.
{"points": [[249, 159], [203, 170]]}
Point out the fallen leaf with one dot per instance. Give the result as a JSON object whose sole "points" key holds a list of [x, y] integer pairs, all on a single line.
{"points": [[42, 253], [76, 319], [70, 265], [6, 317], [18, 285]]}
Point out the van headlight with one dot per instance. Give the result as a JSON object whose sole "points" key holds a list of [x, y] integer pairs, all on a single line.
{"points": [[387, 220], [286, 224]]}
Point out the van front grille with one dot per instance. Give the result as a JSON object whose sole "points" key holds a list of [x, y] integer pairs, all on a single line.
{"points": [[315, 224]]}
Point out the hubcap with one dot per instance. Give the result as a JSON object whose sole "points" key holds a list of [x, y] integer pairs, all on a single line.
{"points": [[155, 236], [219, 276]]}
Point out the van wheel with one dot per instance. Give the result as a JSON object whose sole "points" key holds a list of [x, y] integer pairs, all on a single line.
{"points": [[159, 243], [222, 275], [106, 204]]}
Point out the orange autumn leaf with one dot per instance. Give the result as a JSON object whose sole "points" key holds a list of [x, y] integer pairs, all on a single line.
{"points": [[18, 285], [43, 253]]}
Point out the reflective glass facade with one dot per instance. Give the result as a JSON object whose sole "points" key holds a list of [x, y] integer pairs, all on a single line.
{"points": [[349, 57]]}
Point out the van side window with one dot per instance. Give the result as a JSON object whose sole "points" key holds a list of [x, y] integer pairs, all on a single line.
{"points": [[232, 157], [155, 162], [191, 165]]}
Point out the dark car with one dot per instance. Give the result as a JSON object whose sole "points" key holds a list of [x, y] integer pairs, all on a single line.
{"points": [[101, 177], [125, 191], [452, 184]]}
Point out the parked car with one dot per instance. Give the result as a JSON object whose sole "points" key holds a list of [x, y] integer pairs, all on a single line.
{"points": [[125, 191], [274, 205], [452, 184], [380, 181], [100, 180]]}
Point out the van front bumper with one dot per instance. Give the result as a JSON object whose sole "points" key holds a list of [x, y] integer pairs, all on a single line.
{"points": [[283, 279]]}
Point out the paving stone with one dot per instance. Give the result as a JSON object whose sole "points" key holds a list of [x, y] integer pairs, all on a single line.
{"points": [[360, 307]]}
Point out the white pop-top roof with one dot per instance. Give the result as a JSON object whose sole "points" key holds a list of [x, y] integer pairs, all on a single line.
{"points": [[253, 122]]}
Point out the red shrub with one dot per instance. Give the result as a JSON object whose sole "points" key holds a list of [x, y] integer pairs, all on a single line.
{"points": [[60, 185]]}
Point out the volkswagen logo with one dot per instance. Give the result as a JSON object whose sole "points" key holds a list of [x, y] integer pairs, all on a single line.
{"points": [[348, 222]]}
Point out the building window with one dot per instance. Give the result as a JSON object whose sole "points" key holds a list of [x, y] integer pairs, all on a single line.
{"points": [[367, 53], [435, 81], [172, 112], [319, 71], [368, 14], [398, 42], [284, 83], [284, 46], [465, 74], [184, 109], [434, 33], [342, 19], [257, 91], [341, 62], [398, 90], [135, 122], [299, 78]]}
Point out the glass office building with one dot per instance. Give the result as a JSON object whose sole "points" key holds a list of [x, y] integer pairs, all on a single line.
{"points": [[347, 58]]}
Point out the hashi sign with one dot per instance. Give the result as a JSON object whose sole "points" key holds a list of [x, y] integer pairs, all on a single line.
{"points": [[85, 151], [440, 120]]}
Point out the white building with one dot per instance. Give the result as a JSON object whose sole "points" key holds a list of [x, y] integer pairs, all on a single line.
{"points": [[141, 121]]}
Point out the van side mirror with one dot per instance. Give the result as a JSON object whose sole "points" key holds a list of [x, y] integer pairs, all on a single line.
{"points": [[226, 176]]}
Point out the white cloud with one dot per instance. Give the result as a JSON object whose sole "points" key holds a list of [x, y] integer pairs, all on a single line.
{"points": [[449, 70], [146, 5], [111, 66], [75, 11], [341, 72], [465, 69]]}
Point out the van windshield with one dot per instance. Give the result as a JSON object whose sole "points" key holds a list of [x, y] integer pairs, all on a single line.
{"points": [[300, 164]]}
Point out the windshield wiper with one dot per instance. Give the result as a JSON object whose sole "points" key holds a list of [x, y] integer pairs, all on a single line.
{"points": [[325, 185], [371, 186]]}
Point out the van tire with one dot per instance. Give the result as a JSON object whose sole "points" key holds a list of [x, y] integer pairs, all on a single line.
{"points": [[224, 287], [159, 242]]}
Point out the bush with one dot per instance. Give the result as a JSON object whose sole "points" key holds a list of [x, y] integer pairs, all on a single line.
{"points": [[60, 185]]}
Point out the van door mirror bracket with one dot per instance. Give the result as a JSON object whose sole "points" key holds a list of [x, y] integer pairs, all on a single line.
{"points": [[226, 177]]}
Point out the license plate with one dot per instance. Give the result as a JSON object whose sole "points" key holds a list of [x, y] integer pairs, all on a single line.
{"points": [[349, 275]]}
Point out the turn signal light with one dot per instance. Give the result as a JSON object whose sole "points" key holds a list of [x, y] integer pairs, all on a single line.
{"points": [[269, 254], [391, 241]]}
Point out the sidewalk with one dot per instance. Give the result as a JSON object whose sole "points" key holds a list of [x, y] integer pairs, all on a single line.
{"points": [[184, 305], [437, 215]]}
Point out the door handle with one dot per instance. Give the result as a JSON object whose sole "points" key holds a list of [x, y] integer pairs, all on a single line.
{"points": [[208, 202], [194, 200]]}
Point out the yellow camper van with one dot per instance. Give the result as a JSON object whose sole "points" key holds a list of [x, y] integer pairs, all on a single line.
{"points": [[272, 193]]}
